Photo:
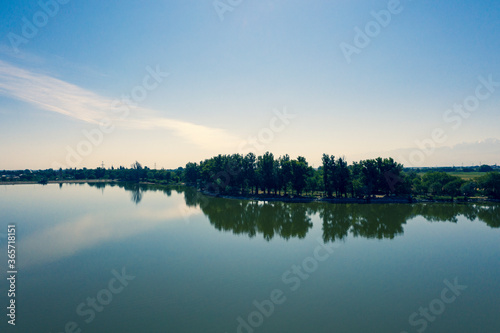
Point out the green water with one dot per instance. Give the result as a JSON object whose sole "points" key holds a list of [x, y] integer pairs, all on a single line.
{"points": [[197, 264]]}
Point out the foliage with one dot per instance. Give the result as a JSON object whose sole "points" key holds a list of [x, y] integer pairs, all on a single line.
{"points": [[490, 184], [270, 175]]}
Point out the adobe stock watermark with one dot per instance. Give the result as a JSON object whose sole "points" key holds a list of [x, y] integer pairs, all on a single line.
{"points": [[372, 29], [454, 117], [420, 319], [93, 305], [223, 6], [254, 144], [257, 143], [292, 279], [121, 108], [31, 28]]}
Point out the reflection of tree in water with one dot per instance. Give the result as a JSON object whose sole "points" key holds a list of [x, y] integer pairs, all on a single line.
{"points": [[386, 221], [285, 220], [252, 217], [365, 220], [299, 223], [289, 220], [381, 221], [194, 198], [369, 221], [137, 190], [98, 185], [489, 215], [136, 195], [448, 212], [337, 220], [440, 212]]}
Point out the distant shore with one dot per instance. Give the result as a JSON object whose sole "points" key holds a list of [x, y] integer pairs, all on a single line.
{"points": [[80, 181], [271, 198], [375, 200], [301, 199]]}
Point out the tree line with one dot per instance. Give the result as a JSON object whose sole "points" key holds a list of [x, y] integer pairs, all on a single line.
{"points": [[250, 174], [135, 173], [335, 178], [268, 175]]}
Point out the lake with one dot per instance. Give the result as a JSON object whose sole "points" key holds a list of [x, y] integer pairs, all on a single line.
{"points": [[130, 258]]}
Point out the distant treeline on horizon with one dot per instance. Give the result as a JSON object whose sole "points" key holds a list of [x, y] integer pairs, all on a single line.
{"points": [[283, 176]]}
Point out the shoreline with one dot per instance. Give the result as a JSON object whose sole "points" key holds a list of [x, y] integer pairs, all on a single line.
{"points": [[383, 200], [79, 181], [272, 198]]}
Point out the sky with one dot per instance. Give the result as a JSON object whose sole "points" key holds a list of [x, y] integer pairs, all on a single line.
{"points": [[167, 82]]}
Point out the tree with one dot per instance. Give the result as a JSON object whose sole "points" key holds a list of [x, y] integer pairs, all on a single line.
{"points": [[328, 174], [300, 170], [342, 175], [485, 168], [434, 182], [249, 175], [357, 187], [468, 189], [234, 167], [285, 172], [266, 170], [405, 183], [370, 176], [314, 181], [490, 184], [390, 178], [99, 173], [138, 172], [191, 173], [453, 188], [436, 188], [416, 183]]}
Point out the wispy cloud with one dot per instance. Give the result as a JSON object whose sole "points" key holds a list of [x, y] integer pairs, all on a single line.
{"points": [[8, 51], [52, 94]]}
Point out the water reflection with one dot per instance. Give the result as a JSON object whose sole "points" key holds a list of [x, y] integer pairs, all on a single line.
{"points": [[290, 220], [136, 190], [489, 215], [101, 224], [90, 227], [369, 221], [361, 220], [270, 219]]}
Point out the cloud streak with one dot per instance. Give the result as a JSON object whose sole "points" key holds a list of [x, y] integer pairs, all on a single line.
{"points": [[55, 95]]}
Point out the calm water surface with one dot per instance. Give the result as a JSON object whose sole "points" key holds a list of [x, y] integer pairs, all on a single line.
{"points": [[189, 263]]}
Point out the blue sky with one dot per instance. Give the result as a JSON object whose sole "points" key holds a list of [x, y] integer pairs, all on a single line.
{"points": [[228, 78]]}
